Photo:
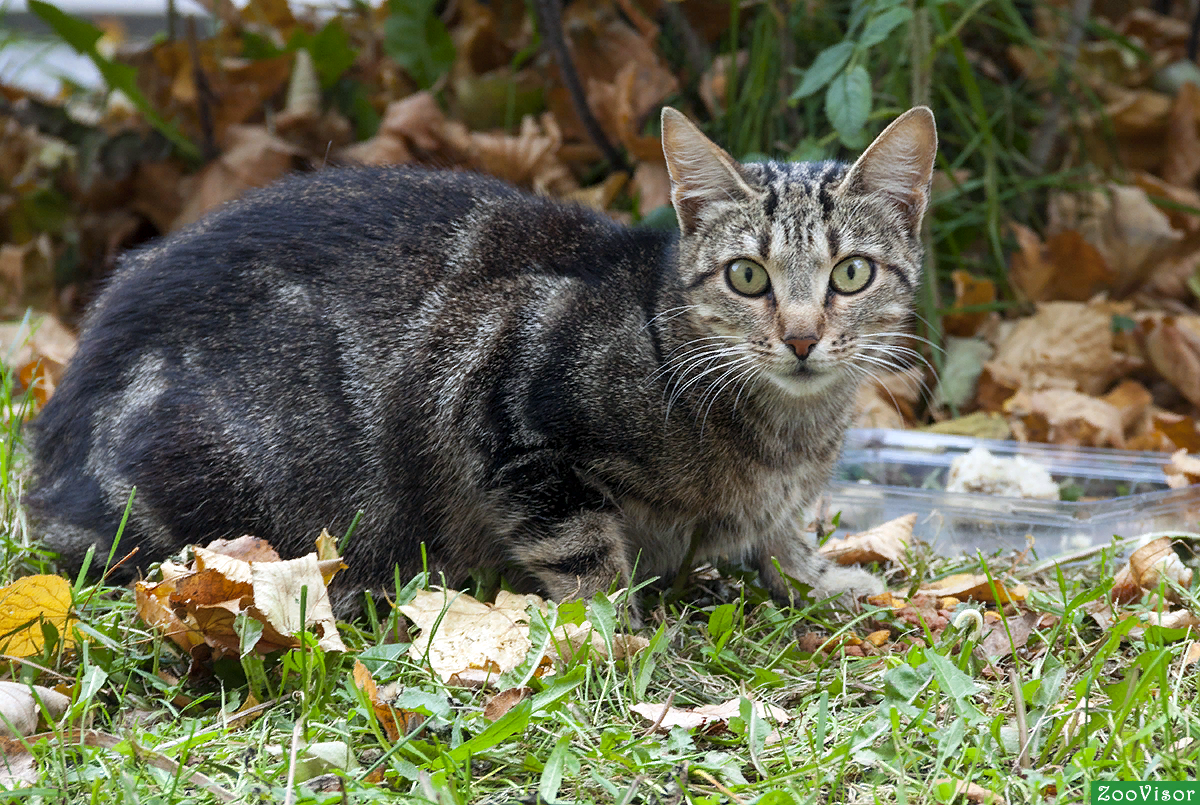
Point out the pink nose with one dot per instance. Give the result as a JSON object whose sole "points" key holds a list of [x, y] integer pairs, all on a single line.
{"points": [[801, 346]]}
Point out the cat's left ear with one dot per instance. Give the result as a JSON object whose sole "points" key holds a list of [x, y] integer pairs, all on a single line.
{"points": [[899, 164], [701, 171]]}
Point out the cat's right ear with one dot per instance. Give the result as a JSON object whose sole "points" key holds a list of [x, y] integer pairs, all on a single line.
{"points": [[701, 171]]}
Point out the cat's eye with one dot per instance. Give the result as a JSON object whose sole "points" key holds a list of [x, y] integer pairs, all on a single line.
{"points": [[851, 275], [747, 278]]}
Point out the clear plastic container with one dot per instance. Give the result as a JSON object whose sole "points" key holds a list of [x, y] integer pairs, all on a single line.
{"points": [[884, 474]]}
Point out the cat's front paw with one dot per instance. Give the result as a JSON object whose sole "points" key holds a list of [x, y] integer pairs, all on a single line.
{"points": [[848, 584]]}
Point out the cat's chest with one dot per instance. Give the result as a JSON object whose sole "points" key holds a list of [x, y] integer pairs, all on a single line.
{"points": [[728, 516], [750, 499]]}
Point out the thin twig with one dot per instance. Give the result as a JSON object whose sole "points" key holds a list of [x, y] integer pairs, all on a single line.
{"points": [[204, 93], [713, 781], [549, 13], [297, 735], [666, 708], [1047, 133], [1022, 724], [42, 668], [148, 756]]}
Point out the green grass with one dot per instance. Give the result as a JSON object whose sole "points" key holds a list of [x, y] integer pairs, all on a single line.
{"points": [[883, 728]]}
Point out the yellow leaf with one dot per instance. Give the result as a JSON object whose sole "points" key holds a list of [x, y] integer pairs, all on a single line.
{"points": [[977, 587], [25, 605]]}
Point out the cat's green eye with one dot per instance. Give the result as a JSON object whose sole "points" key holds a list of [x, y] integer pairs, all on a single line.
{"points": [[747, 278], [851, 275]]}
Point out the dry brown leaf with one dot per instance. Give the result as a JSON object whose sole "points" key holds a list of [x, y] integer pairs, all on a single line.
{"points": [[1124, 589], [887, 599], [622, 73], [153, 601], [570, 639], [879, 638], [599, 196], [886, 542], [27, 276], [1182, 162], [529, 159], [708, 716], [1064, 344], [279, 588], [227, 566], [972, 791], [1180, 197], [1127, 229], [253, 157], [1132, 401], [395, 722], [235, 89], [652, 186], [1192, 654], [1172, 345], [1183, 470], [996, 640], [875, 409], [504, 701], [1065, 267], [28, 603], [981, 425], [714, 83], [1059, 416], [1180, 430], [968, 290], [976, 587], [468, 642], [641, 88], [17, 766], [889, 400], [20, 710], [1174, 619], [1157, 561], [250, 711], [199, 604], [247, 549], [471, 638], [1156, 32], [38, 351]]}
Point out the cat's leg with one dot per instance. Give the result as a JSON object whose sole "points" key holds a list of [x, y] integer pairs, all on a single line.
{"points": [[797, 557], [581, 555]]}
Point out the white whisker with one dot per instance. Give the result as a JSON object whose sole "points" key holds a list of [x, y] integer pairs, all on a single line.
{"points": [[674, 312]]}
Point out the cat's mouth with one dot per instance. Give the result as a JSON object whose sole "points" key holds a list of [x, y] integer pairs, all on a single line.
{"points": [[802, 379]]}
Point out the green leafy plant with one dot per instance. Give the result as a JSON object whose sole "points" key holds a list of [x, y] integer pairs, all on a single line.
{"points": [[83, 36], [415, 37], [841, 69]]}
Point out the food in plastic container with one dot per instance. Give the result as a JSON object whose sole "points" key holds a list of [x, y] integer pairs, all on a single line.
{"points": [[884, 474]]}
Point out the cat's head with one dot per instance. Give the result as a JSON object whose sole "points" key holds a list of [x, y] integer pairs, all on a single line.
{"points": [[796, 274]]}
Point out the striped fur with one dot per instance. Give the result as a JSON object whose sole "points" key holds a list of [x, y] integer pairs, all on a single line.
{"points": [[501, 377]]}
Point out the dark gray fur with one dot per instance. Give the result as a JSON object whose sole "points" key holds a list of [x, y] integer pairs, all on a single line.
{"points": [[501, 377]]}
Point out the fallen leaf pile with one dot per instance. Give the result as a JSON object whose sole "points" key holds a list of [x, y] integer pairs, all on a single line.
{"points": [[200, 604], [1108, 352], [256, 100]]}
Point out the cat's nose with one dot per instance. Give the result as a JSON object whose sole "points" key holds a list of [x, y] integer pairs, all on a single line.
{"points": [[802, 346]]}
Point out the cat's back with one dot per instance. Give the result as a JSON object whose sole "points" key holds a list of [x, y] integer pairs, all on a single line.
{"points": [[274, 366]]}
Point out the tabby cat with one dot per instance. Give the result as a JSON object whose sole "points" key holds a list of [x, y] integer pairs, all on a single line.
{"points": [[497, 377]]}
